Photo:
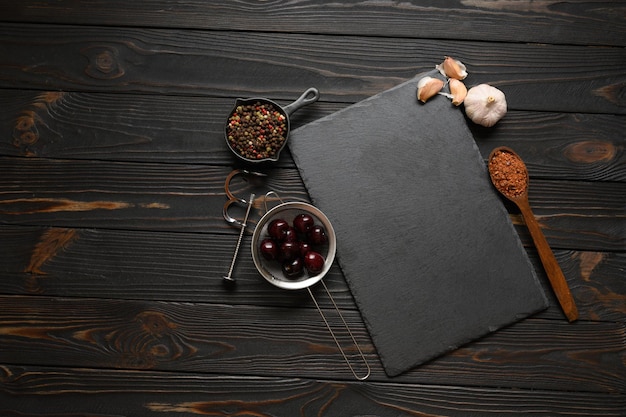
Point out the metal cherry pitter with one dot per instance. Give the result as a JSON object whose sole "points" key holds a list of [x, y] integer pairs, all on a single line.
{"points": [[272, 271]]}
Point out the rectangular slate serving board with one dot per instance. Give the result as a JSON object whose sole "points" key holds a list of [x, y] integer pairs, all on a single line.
{"points": [[425, 243]]}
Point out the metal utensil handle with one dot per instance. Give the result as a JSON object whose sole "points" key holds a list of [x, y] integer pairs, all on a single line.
{"points": [[345, 357], [229, 277], [267, 195], [234, 173]]}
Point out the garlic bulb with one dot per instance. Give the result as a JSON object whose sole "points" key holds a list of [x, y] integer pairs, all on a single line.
{"points": [[428, 87], [485, 105]]}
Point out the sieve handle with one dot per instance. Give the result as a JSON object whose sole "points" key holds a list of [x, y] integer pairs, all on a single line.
{"points": [[345, 357]]}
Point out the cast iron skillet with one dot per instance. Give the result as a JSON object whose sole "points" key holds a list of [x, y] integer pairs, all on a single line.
{"points": [[309, 96]]}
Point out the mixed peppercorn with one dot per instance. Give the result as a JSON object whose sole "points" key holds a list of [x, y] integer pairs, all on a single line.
{"points": [[257, 131]]}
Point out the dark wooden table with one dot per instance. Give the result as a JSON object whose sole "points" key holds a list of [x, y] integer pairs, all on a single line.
{"points": [[112, 163]]}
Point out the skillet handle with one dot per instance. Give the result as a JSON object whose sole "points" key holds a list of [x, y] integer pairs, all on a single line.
{"points": [[309, 96]]}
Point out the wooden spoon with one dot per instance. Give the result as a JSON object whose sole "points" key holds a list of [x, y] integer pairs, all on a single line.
{"points": [[510, 177]]}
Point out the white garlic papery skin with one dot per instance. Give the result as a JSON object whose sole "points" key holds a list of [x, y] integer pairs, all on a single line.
{"points": [[428, 87], [485, 105]]}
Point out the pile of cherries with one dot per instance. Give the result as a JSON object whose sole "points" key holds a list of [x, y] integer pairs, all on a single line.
{"points": [[295, 247]]}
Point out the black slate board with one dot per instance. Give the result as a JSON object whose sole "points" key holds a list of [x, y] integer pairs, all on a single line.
{"points": [[425, 243]]}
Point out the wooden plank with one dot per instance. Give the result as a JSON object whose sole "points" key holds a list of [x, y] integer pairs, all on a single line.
{"points": [[578, 22], [600, 274], [89, 193], [150, 196], [133, 127], [80, 58], [188, 267], [561, 145], [143, 265], [71, 390], [186, 129], [27, 390], [289, 342], [556, 210]]}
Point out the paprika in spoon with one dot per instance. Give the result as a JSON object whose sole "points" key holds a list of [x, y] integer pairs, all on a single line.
{"points": [[510, 177]]}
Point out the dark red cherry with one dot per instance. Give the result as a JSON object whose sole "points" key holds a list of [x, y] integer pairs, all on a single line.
{"points": [[304, 247], [290, 235], [317, 235], [303, 222], [289, 251], [269, 249], [293, 268], [313, 262], [277, 229]]}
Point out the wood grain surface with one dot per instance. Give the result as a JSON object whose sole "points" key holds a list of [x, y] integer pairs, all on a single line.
{"points": [[347, 69], [128, 334], [113, 245], [135, 127], [582, 23], [127, 392]]}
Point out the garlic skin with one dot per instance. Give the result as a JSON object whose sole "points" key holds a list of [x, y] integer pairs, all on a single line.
{"points": [[452, 68], [458, 91], [485, 105], [427, 87]]}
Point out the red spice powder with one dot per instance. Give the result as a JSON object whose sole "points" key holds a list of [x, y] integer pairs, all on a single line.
{"points": [[508, 173]]}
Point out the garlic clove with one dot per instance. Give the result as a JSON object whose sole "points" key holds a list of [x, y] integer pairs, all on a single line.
{"points": [[428, 87], [458, 91], [452, 68]]}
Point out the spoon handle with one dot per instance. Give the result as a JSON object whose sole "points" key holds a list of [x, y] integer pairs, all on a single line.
{"points": [[550, 264]]}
